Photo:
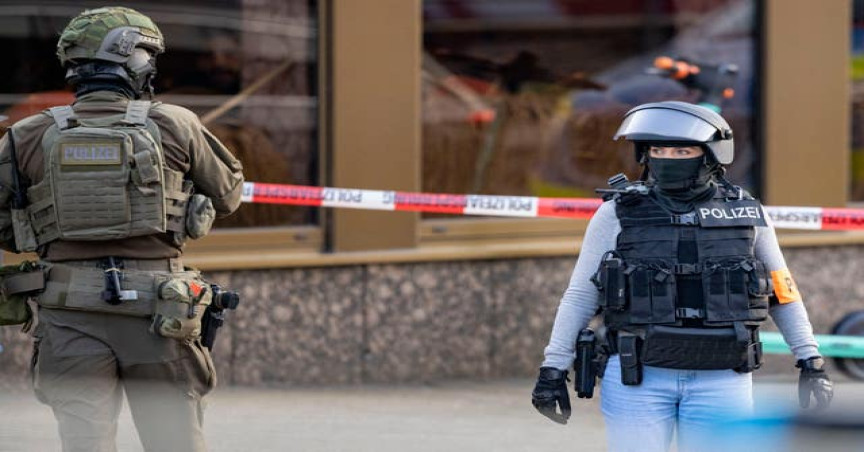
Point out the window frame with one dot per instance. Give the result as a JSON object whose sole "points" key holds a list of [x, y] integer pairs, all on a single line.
{"points": [[373, 77]]}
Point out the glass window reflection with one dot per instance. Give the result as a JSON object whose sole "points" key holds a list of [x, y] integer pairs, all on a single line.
{"points": [[247, 68], [523, 97]]}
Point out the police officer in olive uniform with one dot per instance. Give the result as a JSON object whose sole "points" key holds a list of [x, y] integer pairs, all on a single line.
{"points": [[684, 267], [107, 191]]}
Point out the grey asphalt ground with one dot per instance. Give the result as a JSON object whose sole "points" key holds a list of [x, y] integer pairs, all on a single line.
{"points": [[452, 416]]}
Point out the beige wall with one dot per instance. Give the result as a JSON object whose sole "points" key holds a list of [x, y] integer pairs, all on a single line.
{"points": [[806, 96], [375, 113]]}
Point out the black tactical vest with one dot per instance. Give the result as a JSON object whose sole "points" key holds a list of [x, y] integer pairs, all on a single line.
{"points": [[693, 272]]}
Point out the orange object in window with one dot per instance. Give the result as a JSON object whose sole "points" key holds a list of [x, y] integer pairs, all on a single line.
{"points": [[682, 70], [663, 62]]}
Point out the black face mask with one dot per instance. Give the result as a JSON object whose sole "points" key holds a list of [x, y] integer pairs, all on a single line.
{"points": [[678, 174], [681, 183]]}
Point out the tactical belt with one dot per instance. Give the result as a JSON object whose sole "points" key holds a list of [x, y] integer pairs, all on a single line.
{"points": [[78, 285], [173, 264], [736, 348], [23, 282]]}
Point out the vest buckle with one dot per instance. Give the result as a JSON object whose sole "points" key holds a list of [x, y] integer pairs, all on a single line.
{"points": [[689, 313], [687, 269], [687, 219]]}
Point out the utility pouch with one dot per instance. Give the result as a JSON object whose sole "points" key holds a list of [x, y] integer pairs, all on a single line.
{"points": [[601, 359], [181, 299], [14, 310], [760, 283], [629, 348], [22, 228], [585, 365], [612, 284], [663, 294], [760, 287], [716, 292], [694, 348], [739, 296], [200, 215], [639, 283], [17, 283], [736, 292], [754, 355]]}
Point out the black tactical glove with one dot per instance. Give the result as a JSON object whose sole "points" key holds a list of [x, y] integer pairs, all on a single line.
{"points": [[814, 380], [551, 390]]}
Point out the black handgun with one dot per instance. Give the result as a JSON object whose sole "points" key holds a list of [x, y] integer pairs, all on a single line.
{"points": [[214, 315]]}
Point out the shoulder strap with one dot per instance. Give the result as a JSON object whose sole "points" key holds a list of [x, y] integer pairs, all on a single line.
{"points": [[136, 112], [62, 115]]}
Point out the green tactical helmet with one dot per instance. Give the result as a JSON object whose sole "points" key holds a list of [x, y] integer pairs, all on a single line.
{"points": [[108, 34], [114, 35]]}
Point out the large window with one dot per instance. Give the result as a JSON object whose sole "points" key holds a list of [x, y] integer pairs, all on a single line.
{"points": [[247, 67], [857, 100], [522, 97]]}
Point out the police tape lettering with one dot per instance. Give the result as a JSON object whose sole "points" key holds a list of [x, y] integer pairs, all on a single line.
{"points": [[714, 214]]}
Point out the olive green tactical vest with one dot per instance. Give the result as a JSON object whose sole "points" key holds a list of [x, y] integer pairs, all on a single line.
{"points": [[105, 179]]}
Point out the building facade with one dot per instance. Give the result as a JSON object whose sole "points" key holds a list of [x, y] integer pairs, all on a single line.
{"points": [[475, 96]]}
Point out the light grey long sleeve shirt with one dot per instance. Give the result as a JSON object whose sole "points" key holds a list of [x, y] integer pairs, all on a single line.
{"points": [[581, 299]]}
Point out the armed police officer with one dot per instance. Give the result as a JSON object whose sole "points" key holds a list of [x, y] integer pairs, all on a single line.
{"points": [[107, 191], [683, 266]]}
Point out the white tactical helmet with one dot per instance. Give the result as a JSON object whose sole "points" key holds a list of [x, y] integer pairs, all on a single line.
{"points": [[679, 122]]}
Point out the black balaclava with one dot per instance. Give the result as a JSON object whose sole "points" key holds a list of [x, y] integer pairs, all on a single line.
{"points": [[679, 184], [101, 85], [99, 76]]}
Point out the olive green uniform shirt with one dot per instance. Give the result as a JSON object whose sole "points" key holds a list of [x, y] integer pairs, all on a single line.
{"points": [[188, 146]]}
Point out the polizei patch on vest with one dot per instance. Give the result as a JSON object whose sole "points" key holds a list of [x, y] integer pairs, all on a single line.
{"points": [[743, 212], [90, 154]]}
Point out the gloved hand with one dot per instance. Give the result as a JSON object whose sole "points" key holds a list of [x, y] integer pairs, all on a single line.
{"points": [[551, 390], [813, 380]]}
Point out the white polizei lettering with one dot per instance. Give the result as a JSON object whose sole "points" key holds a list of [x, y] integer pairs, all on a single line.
{"points": [[704, 212], [357, 199], [744, 212], [509, 206], [753, 212], [109, 153], [91, 153], [717, 213]]}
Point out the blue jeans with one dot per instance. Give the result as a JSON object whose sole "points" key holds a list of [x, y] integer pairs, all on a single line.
{"points": [[642, 418]]}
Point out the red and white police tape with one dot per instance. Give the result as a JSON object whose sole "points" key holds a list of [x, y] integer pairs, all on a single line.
{"points": [[834, 219]]}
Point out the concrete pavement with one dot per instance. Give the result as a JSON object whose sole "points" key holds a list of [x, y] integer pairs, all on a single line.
{"points": [[454, 416]]}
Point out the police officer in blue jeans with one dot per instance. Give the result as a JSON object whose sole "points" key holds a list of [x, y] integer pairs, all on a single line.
{"points": [[683, 266]]}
